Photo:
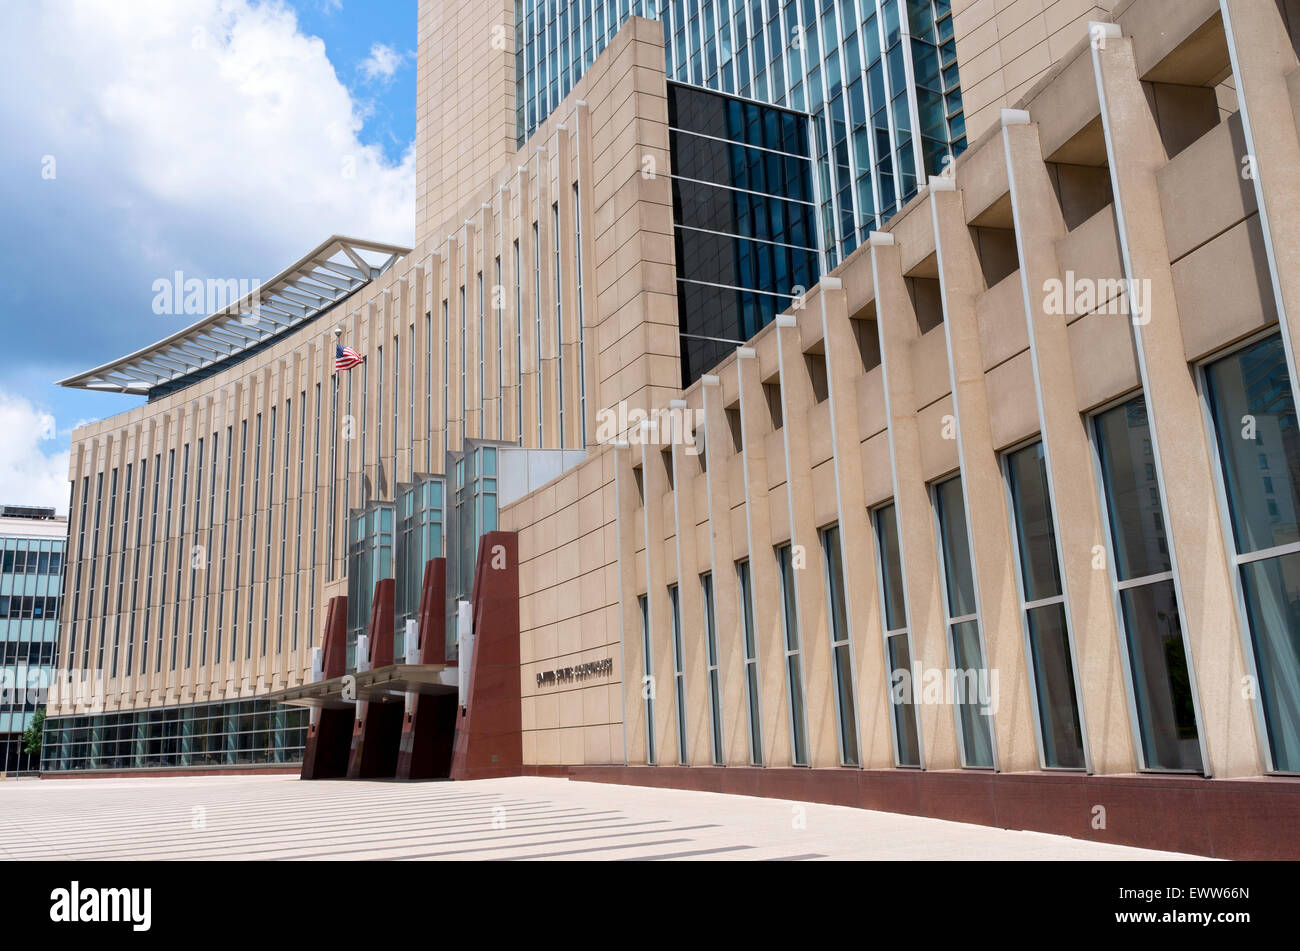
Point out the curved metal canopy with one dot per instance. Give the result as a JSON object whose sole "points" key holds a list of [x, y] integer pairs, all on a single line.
{"points": [[332, 272]]}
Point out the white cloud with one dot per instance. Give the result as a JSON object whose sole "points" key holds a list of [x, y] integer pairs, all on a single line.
{"points": [[382, 63], [200, 129], [27, 475]]}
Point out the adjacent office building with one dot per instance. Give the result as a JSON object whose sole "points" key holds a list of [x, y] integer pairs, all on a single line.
{"points": [[929, 494], [33, 540]]}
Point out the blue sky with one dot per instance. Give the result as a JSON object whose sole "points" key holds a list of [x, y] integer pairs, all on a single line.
{"points": [[201, 136]]}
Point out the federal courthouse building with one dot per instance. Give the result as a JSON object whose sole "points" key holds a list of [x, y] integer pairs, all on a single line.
{"points": [[880, 402]]}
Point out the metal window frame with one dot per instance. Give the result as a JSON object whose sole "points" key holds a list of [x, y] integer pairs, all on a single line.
{"points": [[1117, 586], [1004, 464], [950, 622], [886, 633], [1263, 738]]}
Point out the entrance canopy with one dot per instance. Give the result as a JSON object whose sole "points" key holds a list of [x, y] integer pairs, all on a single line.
{"points": [[381, 685]]}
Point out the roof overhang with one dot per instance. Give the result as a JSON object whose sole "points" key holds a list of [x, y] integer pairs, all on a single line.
{"points": [[325, 276], [382, 685]]}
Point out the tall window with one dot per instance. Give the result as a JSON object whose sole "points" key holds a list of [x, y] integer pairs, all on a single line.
{"points": [[537, 330], [428, 391], [379, 408], [751, 665], [712, 670], [446, 375], [482, 325], [499, 306], [297, 538], [135, 564], [648, 683], [121, 564], [464, 370], [81, 557], [333, 472], [1144, 588], [519, 346], [970, 674], [167, 554], [679, 676], [793, 664], [559, 318], [194, 574], [225, 541], [94, 565], [582, 343], [153, 547], [239, 550], [360, 427], [108, 565], [1252, 405], [315, 509], [283, 569], [211, 544], [410, 404], [1042, 600], [841, 653], [182, 551], [898, 640], [397, 401], [252, 550], [270, 525]]}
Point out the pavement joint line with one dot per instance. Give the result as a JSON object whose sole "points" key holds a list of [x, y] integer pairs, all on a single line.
{"points": [[515, 835], [347, 837], [598, 848], [260, 829], [682, 855], [614, 835]]}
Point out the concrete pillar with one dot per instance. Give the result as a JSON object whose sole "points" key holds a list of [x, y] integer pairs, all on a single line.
{"points": [[627, 502], [808, 571], [857, 543], [1178, 437], [1075, 503], [727, 619], [961, 283], [1264, 66], [917, 542], [765, 584], [654, 480], [690, 595]]}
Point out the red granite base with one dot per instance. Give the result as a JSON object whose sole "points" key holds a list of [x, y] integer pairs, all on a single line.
{"points": [[1256, 818]]}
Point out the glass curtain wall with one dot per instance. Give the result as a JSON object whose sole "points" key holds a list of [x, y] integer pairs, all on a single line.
{"points": [[879, 78]]}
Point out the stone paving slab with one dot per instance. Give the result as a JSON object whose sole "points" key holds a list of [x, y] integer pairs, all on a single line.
{"points": [[523, 818]]}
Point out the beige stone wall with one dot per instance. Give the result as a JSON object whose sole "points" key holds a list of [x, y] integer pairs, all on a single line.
{"points": [[932, 351], [621, 344], [465, 95], [1004, 47], [568, 610]]}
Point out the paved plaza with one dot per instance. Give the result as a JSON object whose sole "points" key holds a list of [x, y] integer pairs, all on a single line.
{"points": [[279, 817]]}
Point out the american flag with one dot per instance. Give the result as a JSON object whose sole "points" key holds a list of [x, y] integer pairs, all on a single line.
{"points": [[345, 358]]}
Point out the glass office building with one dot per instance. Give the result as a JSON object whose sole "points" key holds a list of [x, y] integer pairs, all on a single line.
{"points": [[31, 593], [878, 77]]}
